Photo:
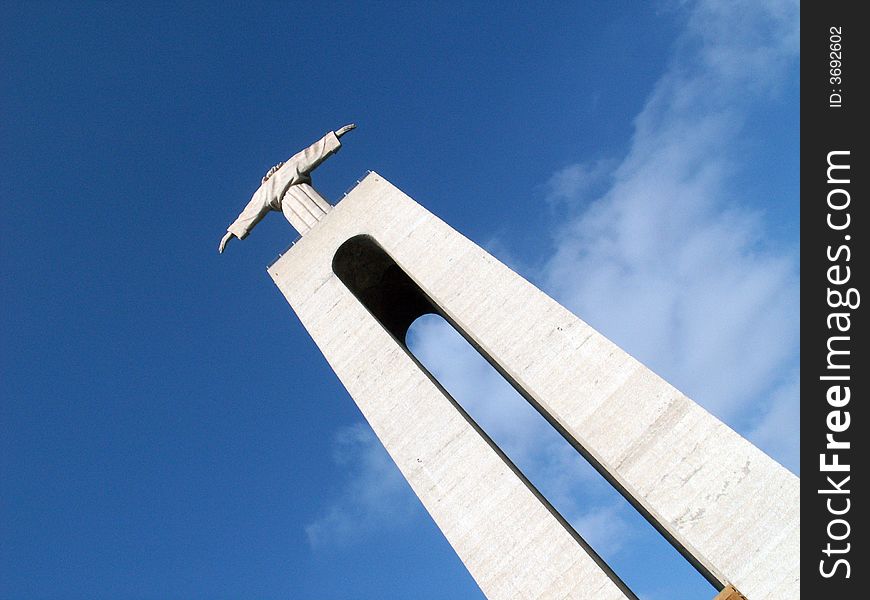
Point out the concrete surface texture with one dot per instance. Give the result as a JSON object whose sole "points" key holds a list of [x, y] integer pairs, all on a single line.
{"points": [[729, 508]]}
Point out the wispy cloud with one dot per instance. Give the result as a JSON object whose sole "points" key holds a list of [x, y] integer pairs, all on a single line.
{"points": [[374, 498], [579, 180], [667, 262]]}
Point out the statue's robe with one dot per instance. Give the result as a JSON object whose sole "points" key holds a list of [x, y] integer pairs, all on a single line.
{"points": [[289, 190]]}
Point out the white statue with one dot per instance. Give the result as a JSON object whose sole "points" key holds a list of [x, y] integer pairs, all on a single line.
{"points": [[286, 187]]}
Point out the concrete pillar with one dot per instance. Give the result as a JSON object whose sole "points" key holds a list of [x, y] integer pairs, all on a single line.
{"points": [[377, 261]]}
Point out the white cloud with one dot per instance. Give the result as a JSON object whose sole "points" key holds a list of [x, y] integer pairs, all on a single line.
{"points": [[604, 528], [374, 498], [579, 179], [667, 262], [776, 428]]}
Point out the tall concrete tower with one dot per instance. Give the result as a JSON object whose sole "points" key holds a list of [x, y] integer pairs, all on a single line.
{"points": [[378, 260]]}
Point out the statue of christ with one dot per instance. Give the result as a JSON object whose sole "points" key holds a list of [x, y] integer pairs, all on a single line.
{"points": [[286, 187]]}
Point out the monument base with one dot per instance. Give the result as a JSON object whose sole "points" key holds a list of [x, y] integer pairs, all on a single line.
{"points": [[377, 261]]}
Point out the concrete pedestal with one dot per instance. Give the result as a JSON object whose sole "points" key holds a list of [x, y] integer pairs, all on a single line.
{"points": [[377, 261]]}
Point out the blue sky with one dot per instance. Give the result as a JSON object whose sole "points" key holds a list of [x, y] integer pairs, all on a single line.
{"points": [[169, 430]]}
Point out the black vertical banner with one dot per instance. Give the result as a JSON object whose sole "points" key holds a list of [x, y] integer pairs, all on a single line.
{"points": [[834, 370]]}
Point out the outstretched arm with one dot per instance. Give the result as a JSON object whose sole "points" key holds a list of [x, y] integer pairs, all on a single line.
{"points": [[251, 215], [309, 159]]}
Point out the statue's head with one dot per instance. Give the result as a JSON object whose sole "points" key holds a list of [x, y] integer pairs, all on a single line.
{"points": [[271, 172]]}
